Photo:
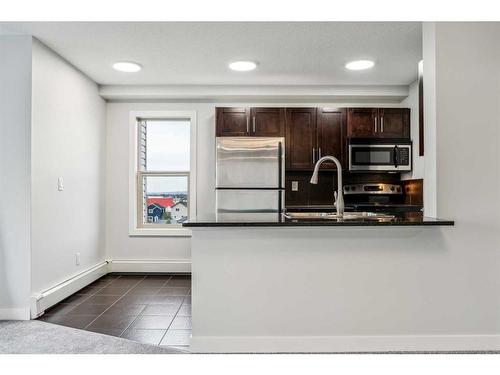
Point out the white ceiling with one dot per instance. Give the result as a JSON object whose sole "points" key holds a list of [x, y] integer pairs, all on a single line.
{"points": [[197, 53]]}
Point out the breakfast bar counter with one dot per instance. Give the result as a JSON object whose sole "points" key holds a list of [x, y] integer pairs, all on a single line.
{"points": [[402, 219], [327, 285]]}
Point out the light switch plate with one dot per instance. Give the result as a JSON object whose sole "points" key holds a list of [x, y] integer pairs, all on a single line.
{"points": [[60, 185], [295, 185]]}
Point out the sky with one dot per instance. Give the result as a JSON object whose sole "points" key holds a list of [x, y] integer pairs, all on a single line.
{"points": [[156, 184], [167, 150]]}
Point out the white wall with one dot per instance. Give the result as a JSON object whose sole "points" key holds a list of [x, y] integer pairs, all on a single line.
{"points": [[467, 150], [119, 245], [15, 124], [418, 161], [68, 140], [429, 63]]}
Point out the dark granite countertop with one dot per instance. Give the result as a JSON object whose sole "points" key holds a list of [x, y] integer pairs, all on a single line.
{"points": [[405, 219], [372, 207]]}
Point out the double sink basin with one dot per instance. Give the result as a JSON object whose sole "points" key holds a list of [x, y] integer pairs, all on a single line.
{"points": [[377, 216]]}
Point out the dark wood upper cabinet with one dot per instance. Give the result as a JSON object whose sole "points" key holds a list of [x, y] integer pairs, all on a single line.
{"points": [[300, 138], [232, 122], [312, 133], [267, 122], [383, 123], [362, 122], [331, 135], [394, 122], [250, 122]]}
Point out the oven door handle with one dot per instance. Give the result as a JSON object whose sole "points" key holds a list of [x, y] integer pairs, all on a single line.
{"points": [[396, 156]]}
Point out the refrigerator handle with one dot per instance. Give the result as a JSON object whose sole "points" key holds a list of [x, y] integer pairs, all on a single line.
{"points": [[280, 165], [280, 204], [248, 124], [280, 183]]}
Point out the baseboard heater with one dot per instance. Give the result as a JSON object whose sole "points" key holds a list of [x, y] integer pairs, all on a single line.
{"points": [[43, 300]]}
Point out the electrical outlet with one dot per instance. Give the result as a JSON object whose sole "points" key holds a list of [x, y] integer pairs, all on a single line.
{"points": [[77, 259], [295, 185]]}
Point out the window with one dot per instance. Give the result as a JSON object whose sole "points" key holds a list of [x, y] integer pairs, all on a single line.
{"points": [[162, 168]]}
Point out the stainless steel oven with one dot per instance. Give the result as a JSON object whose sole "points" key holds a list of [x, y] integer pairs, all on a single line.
{"points": [[375, 156]]}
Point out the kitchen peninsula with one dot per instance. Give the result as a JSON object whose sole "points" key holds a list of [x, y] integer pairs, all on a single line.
{"points": [[310, 285]]}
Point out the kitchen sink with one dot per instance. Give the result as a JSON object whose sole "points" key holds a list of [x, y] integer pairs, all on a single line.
{"points": [[334, 216]]}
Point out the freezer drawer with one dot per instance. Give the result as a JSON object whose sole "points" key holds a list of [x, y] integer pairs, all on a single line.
{"points": [[249, 162], [249, 205]]}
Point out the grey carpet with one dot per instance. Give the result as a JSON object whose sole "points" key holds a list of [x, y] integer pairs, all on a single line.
{"points": [[37, 337]]}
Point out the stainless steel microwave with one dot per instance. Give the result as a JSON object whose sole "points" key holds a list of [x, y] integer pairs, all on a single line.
{"points": [[374, 156]]}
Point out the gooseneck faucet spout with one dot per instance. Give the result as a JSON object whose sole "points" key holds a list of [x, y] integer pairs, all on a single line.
{"points": [[339, 195]]}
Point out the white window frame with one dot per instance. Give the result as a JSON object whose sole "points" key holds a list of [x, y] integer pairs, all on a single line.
{"points": [[135, 228]]}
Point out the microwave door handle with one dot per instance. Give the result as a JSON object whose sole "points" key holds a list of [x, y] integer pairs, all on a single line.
{"points": [[395, 156]]}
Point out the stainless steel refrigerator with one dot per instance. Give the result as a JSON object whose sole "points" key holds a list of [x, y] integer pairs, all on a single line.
{"points": [[250, 178]]}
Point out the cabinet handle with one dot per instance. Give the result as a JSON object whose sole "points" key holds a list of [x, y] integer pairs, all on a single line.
{"points": [[253, 123], [319, 153], [314, 155], [248, 124], [375, 124], [382, 124]]}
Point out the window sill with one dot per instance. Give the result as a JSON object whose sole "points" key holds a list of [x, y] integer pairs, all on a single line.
{"points": [[160, 232]]}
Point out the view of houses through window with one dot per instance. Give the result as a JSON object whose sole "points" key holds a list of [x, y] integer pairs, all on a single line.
{"points": [[164, 170]]}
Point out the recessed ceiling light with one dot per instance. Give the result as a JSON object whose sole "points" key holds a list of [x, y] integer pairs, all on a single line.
{"points": [[127, 66], [243, 66], [360, 65]]}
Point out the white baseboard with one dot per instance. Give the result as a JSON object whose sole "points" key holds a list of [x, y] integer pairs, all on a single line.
{"points": [[161, 265], [345, 344], [43, 300], [15, 314]]}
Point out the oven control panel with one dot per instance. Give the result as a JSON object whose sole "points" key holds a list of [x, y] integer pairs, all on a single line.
{"points": [[373, 189]]}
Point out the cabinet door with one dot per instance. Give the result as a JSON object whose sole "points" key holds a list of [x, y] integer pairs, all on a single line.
{"points": [[232, 122], [362, 122], [331, 130], [394, 123], [267, 122], [300, 136]]}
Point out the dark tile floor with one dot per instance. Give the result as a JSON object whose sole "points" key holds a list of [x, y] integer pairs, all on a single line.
{"points": [[152, 309]]}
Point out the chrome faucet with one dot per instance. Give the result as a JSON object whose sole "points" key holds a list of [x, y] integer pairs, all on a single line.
{"points": [[339, 195]]}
